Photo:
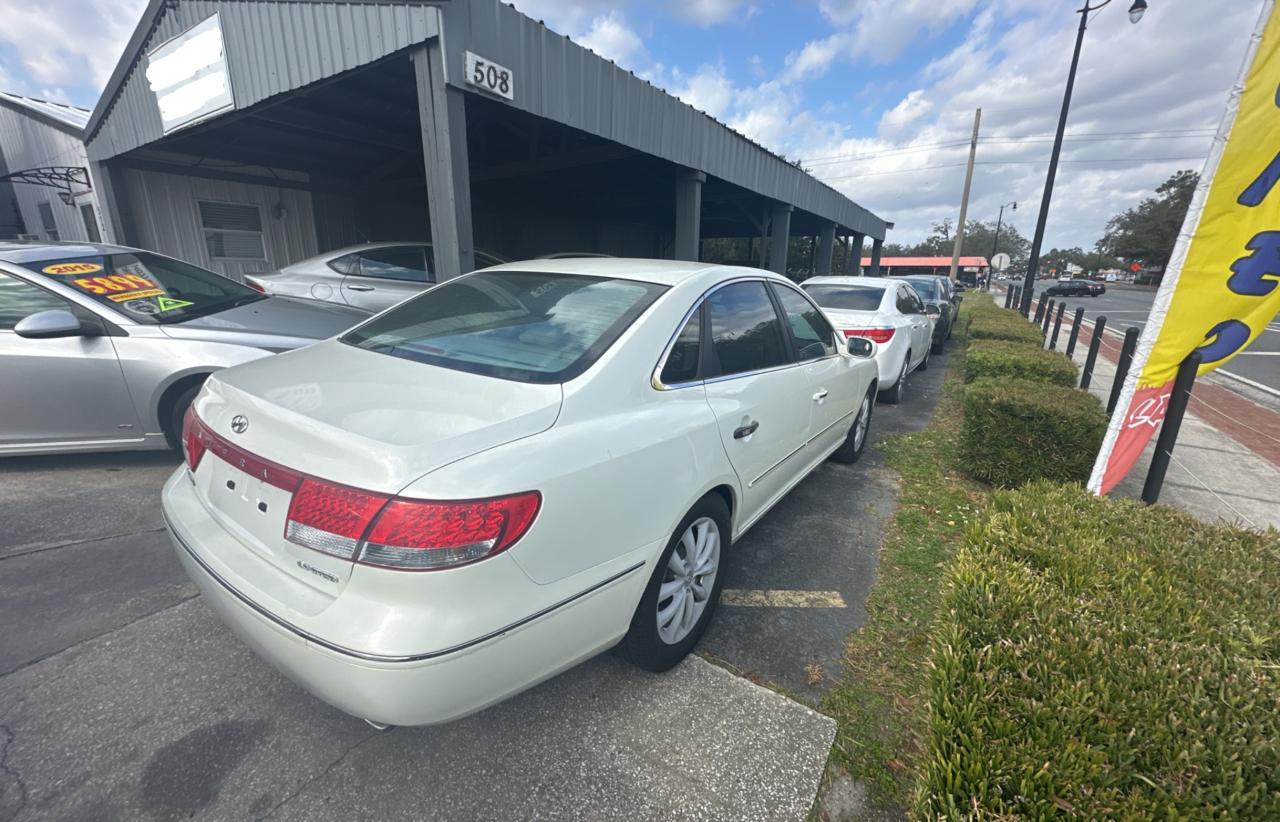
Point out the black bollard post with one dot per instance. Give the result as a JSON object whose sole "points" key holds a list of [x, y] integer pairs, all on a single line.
{"points": [[1075, 331], [1173, 415], [1048, 318], [1122, 367], [1013, 301], [1057, 326], [1086, 374], [1008, 294], [1039, 311]]}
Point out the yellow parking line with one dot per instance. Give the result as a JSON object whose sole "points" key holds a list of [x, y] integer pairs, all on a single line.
{"points": [[775, 598]]}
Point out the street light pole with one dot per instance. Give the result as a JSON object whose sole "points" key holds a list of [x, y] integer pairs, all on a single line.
{"points": [[995, 244], [1135, 14]]}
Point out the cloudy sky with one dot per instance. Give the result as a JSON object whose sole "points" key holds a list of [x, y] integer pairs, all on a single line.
{"points": [[874, 96]]}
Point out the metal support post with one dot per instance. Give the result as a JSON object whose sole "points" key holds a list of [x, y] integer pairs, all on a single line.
{"points": [[1075, 331], [1057, 326], [779, 238], [1039, 312], [1095, 342], [1173, 415], [826, 244], [876, 247], [688, 191], [1122, 367]]}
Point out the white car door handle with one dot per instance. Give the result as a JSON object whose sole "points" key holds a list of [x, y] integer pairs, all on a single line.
{"points": [[360, 287], [820, 396]]}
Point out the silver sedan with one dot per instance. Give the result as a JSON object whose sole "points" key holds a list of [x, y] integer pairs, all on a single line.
{"points": [[102, 347], [373, 276]]}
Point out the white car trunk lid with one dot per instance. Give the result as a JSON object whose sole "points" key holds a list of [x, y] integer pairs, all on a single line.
{"points": [[351, 417]]}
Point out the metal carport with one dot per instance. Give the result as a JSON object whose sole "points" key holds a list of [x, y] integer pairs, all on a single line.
{"points": [[351, 121]]}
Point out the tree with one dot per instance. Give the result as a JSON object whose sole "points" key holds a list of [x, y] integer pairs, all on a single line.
{"points": [[1147, 232]]}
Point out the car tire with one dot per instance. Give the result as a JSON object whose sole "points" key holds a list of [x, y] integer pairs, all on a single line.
{"points": [[855, 442], [924, 364], [657, 649], [893, 394], [173, 425]]}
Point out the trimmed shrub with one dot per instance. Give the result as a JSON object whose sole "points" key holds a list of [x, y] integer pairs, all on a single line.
{"points": [[1099, 659], [1007, 359], [1016, 431], [1006, 325]]}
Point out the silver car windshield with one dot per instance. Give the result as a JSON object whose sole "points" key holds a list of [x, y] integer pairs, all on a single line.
{"points": [[525, 326], [146, 287]]}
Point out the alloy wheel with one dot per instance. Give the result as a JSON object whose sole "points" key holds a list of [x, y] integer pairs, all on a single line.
{"points": [[688, 580], [860, 424]]}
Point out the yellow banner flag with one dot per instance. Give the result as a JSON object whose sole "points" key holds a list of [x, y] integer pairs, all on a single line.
{"points": [[1222, 286]]}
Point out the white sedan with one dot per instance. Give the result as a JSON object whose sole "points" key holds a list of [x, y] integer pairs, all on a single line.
{"points": [[508, 474], [889, 313]]}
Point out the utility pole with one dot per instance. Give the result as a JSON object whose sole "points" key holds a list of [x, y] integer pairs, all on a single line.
{"points": [[964, 199]]}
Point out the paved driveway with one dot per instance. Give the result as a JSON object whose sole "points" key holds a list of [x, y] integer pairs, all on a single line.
{"points": [[122, 697]]}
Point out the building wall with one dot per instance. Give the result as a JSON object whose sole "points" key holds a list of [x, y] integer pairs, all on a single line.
{"points": [[30, 143], [166, 213]]}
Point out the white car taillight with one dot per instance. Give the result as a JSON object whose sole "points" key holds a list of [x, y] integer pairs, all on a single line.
{"points": [[372, 528], [405, 534]]}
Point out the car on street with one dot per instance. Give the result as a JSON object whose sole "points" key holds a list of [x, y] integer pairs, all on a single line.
{"points": [[371, 276], [1076, 288], [508, 474], [936, 292], [103, 347], [889, 313]]}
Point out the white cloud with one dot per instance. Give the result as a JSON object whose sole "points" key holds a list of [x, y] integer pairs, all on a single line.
{"points": [[815, 58], [565, 16], [67, 43], [707, 89], [914, 106], [714, 12], [610, 38], [881, 29]]}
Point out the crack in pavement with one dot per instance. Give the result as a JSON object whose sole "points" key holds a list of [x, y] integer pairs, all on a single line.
{"points": [[40, 547], [96, 636], [12, 773], [371, 735]]}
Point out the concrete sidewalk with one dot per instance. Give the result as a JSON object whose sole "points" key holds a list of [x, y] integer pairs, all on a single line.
{"points": [[1226, 462]]}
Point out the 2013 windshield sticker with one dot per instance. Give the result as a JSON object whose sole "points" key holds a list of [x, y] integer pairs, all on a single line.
{"points": [[72, 268]]}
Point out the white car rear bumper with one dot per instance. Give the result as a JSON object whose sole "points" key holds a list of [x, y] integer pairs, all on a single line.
{"points": [[429, 688]]}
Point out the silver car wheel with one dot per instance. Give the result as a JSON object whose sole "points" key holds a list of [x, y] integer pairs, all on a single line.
{"points": [[688, 580], [860, 424]]}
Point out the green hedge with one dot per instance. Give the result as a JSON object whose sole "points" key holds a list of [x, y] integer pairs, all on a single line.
{"points": [[1007, 359], [1016, 431], [1005, 325], [1103, 660]]}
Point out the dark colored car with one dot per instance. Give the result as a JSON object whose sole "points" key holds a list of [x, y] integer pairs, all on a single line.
{"points": [[1075, 288], [936, 292]]}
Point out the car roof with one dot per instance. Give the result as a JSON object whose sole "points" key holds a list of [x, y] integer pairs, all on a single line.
{"points": [[663, 272], [22, 252], [841, 279]]}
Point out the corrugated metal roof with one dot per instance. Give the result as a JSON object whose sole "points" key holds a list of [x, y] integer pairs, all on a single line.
{"points": [[275, 46], [71, 119], [925, 262]]}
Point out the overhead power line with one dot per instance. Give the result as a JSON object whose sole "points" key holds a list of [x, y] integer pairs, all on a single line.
{"points": [[1135, 160], [1102, 136]]}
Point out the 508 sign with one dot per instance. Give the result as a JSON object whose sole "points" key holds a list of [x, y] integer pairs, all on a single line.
{"points": [[490, 76]]}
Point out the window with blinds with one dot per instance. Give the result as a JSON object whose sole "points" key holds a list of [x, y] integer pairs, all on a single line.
{"points": [[232, 231]]}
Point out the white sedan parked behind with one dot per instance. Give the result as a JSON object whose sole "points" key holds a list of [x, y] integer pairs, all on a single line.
{"points": [[508, 474], [889, 313]]}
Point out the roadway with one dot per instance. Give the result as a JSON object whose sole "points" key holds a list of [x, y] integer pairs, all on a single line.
{"points": [[1127, 306]]}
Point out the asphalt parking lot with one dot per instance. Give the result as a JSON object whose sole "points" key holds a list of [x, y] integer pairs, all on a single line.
{"points": [[122, 697]]}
